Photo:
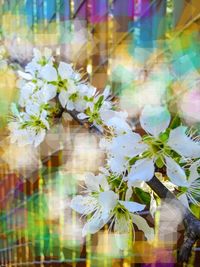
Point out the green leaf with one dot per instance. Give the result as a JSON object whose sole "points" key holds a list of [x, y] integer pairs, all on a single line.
{"points": [[196, 210], [53, 83], [175, 122], [133, 160], [99, 103], [88, 99], [164, 136], [159, 162], [142, 195]]}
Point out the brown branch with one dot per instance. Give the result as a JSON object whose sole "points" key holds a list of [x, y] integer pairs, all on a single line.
{"points": [[85, 123], [190, 222]]}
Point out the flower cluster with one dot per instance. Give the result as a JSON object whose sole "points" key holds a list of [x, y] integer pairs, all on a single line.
{"points": [[103, 204], [47, 87], [135, 157], [165, 148], [132, 159]]}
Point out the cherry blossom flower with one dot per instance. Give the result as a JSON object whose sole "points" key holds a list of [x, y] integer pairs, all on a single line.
{"points": [[103, 204], [39, 60], [189, 186], [148, 150], [29, 127]]}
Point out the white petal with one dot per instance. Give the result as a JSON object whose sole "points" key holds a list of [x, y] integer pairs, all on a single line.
{"points": [[129, 193], [36, 53], [43, 114], [104, 171], [104, 143], [120, 125], [49, 91], [25, 75], [184, 200], [91, 91], [175, 173], [39, 137], [104, 183], [44, 120], [63, 97], [106, 92], [70, 105], [94, 224], [142, 225], [142, 170], [153, 206], [122, 240], [139, 184], [82, 116], [93, 182], [194, 175], [65, 70], [79, 105], [117, 164], [83, 205], [122, 224], [132, 206], [49, 73], [47, 52], [183, 144], [127, 145], [107, 114], [108, 201], [155, 119], [33, 109]]}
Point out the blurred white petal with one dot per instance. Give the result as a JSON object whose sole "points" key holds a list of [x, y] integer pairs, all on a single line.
{"points": [[142, 170], [132, 206], [63, 97], [108, 200], [175, 173], [83, 204], [82, 116], [155, 119], [65, 70], [49, 73], [183, 144], [143, 226], [25, 75]]}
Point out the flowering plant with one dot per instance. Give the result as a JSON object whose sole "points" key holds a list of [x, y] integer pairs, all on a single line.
{"points": [[166, 149]]}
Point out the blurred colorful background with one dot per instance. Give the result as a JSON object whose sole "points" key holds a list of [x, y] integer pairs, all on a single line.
{"points": [[148, 52]]}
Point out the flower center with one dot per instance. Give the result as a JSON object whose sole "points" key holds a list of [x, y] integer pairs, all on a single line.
{"points": [[156, 147], [73, 97], [61, 84], [42, 61]]}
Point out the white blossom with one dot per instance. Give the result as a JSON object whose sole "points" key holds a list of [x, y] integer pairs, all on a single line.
{"points": [[96, 109], [39, 60], [29, 127], [183, 144], [102, 204], [154, 120], [191, 184]]}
